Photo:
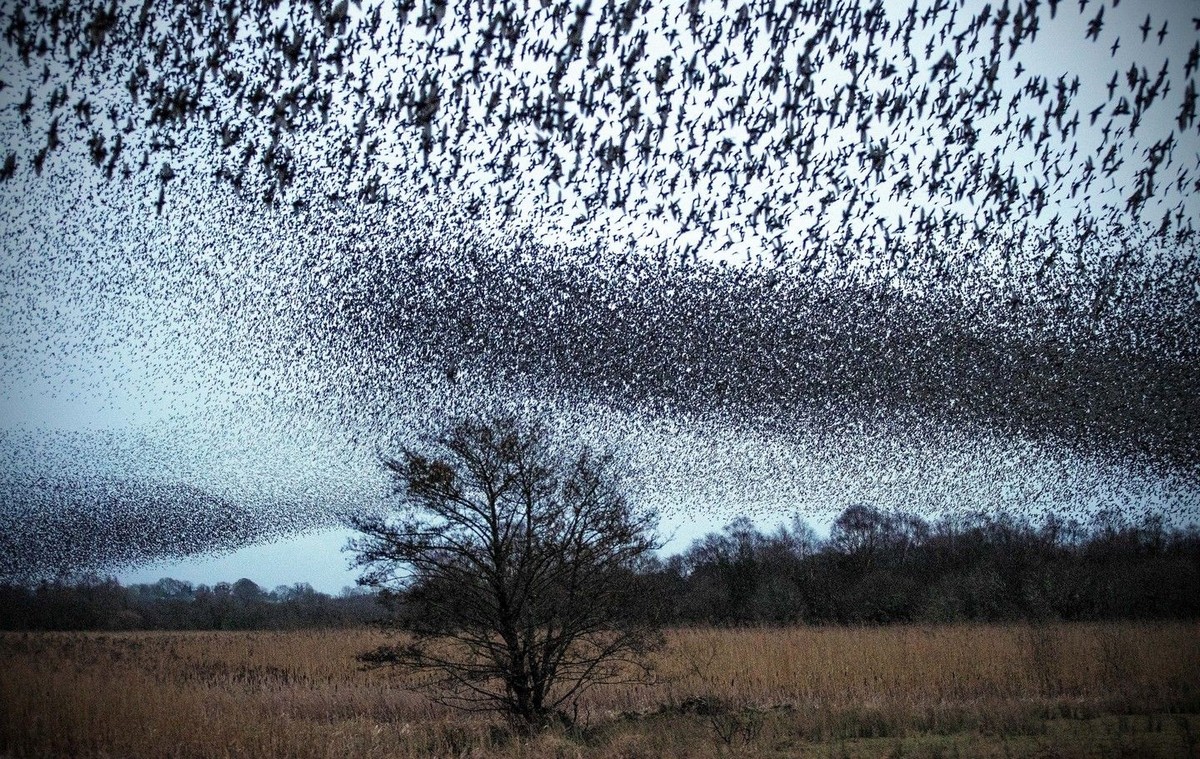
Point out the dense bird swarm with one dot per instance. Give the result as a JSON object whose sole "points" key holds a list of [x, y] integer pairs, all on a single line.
{"points": [[787, 256]]}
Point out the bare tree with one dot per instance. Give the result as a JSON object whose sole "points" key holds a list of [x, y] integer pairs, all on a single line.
{"points": [[514, 562]]}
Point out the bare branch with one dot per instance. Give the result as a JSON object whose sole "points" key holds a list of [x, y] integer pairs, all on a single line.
{"points": [[514, 565]]}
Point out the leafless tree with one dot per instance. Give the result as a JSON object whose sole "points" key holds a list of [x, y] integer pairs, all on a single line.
{"points": [[514, 563]]}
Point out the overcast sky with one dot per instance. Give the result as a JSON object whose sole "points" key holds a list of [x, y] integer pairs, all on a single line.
{"points": [[122, 362]]}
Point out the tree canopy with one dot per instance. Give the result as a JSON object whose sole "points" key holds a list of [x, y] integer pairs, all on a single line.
{"points": [[515, 560]]}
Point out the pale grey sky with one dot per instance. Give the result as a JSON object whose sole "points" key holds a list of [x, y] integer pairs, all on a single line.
{"points": [[111, 332]]}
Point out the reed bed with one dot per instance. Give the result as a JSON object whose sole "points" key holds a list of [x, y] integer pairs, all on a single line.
{"points": [[1071, 689]]}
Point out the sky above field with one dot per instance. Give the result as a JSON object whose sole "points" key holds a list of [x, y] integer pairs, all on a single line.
{"points": [[934, 257]]}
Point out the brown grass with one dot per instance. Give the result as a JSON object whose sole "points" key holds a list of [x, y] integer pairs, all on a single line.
{"points": [[1061, 690]]}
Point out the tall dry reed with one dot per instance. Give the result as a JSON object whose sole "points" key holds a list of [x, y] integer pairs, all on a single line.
{"points": [[302, 694]]}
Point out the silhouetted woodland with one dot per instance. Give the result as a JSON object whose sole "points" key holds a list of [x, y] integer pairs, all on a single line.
{"points": [[875, 567], [880, 567], [94, 603]]}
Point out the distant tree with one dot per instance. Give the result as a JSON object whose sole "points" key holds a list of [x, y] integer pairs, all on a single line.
{"points": [[800, 539], [169, 587], [730, 565], [515, 562], [860, 532], [247, 591]]}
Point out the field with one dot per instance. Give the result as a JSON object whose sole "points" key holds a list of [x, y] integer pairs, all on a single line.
{"points": [[1052, 691]]}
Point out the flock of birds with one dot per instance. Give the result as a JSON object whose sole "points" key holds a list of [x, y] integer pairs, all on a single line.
{"points": [[786, 255], [791, 132]]}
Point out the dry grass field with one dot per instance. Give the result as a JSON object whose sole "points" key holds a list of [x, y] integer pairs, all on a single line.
{"points": [[1054, 691]]}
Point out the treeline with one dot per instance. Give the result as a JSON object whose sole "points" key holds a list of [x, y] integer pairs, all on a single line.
{"points": [[880, 567], [94, 603], [875, 567]]}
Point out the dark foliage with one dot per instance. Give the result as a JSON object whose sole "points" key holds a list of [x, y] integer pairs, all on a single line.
{"points": [[881, 567], [875, 567], [94, 603]]}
